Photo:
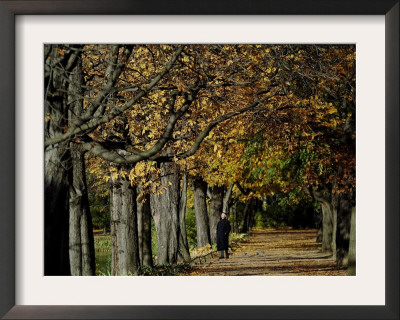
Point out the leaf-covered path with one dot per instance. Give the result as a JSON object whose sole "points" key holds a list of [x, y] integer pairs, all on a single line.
{"points": [[273, 252]]}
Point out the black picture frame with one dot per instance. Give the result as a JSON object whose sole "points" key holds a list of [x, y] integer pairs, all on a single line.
{"points": [[8, 127]]}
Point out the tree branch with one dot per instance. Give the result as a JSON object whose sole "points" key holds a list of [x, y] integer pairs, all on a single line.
{"points": [[113, 156], [94, 123], [195, 146]]}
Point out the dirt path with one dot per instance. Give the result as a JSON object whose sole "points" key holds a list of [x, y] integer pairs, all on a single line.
{"points": [[274, 253]]}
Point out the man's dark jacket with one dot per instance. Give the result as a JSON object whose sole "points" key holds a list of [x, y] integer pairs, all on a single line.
{"points": [[223, 229]]}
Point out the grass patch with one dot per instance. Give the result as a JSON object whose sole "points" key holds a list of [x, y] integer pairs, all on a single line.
{"points": [[102, 243]]}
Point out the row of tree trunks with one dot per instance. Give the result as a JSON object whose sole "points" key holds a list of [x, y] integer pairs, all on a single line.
{"points": [[220, 201], [69, 243], [206, 224], [131, 222], [337, 227]]}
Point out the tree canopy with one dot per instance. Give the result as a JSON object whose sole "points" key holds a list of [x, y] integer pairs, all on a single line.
{"points": [[290, 104], [253, 120]]}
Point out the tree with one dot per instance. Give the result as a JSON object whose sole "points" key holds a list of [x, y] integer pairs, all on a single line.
{"points": [[184, 253], [81, 240], [216, 203], [56, 159], [144, 227], [124, 234], [200, 208], [165, 212]]}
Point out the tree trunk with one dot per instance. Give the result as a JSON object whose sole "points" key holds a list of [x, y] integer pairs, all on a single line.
{"points": [[343, 232], [235, 218], [81, 241], [113, 230], [200, 208], [334, 208], [327, 226], [243, 227], [183, 242], [140, 227], [227, 198], [351, 266], [257, 208], [144, 228], [165, 212], [324, 197], [124, 244], [246, 217], [216, 203], [318, 217], [56, 211], [57, 162]]}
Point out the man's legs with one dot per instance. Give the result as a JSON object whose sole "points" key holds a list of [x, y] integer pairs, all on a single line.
{"points": [[222, 254]]}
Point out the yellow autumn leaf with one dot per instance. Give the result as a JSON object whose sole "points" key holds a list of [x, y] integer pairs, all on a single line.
{"points": [[332, 110]]}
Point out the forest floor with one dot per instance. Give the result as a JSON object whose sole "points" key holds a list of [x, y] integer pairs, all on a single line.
{"points": [[273, 252]]}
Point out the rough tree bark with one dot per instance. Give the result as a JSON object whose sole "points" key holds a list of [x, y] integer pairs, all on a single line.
{"points": [[216, 203], [81, 241], [334, 207], [124, 236], [351, 266], [327, 226], [184, 253], [324, 199], [57, 162], [343, 229], [336, 223], [227, 198], [144, 228], [234, 219], [56, 215], [140, 227], [200, 208], [247, 216], [319, 227], [165, 212]]}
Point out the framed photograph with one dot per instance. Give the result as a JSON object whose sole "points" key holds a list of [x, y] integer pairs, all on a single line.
{"points": [[233, 39]]}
